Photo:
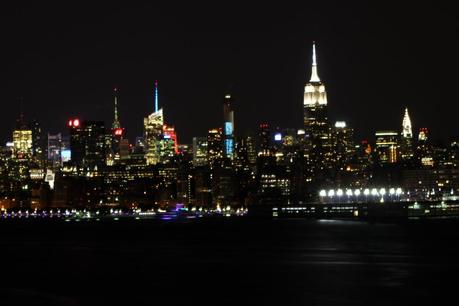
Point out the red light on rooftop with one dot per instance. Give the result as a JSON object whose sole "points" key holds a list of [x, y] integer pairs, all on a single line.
{"points": [[168, 129], [118, 132], [70, 123], [76, 123]]}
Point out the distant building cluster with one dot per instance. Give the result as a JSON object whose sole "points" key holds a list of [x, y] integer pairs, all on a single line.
{"points": [[94, 165]]}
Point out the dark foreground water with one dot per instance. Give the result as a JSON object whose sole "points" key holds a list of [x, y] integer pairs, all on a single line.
{"points": [[233, 261]]}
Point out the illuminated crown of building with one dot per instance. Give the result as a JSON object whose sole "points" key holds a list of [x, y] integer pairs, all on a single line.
{"points": [[314, 91], [406, 125], [155, 118]]}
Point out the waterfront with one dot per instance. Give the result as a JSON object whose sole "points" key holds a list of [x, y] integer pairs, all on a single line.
{"points": [[227, 261]]}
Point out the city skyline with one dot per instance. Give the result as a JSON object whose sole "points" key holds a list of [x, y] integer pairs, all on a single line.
{"points": [[227, 154], [386, 71], [114, 121], [270, 166]]}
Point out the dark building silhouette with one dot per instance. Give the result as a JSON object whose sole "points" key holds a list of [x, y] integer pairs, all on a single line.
{"points": [[88, 144]]}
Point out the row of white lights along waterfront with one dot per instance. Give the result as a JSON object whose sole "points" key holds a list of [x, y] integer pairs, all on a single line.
{"points": [[376, 192]]}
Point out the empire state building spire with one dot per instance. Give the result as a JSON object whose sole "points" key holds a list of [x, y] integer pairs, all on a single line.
{"points": [[314, 75], [314, 90], [116, 122]]}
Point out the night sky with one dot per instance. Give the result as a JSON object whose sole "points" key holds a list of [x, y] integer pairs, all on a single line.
{"points": [[64, 61]]}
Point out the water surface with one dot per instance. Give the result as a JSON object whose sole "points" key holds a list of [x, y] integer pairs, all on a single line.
{"points": [[227, 261]]}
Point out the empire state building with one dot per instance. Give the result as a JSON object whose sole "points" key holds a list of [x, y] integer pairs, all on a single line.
{"points": [[315, 104], [316, 125]]}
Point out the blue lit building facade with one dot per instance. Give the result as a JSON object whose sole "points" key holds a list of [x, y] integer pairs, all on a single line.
{"points": [[228, 127]]}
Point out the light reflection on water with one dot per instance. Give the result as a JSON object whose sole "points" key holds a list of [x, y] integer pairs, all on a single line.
{"points": [[257, 261]]}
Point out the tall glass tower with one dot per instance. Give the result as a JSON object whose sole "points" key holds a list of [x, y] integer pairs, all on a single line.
{"points": [[228, 127]]}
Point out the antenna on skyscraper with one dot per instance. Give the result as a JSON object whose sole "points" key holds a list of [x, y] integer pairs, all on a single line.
{"points": [[314, 60], [116, 122], [314, 74], [156, 96], [21, 110]]}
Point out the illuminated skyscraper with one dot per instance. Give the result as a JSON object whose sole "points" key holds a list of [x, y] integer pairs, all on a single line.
{"points": [[117, 134], [406, 144], [386, 146], [19, 170], [423, 134], [199, 151], [424, 151], [406, 125], [153, 133], [171, 135], [22, 140], [228, 127], [168, 144], [343, 145], [214, 145], [314, 91], [317, 128], [153, 129]]}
